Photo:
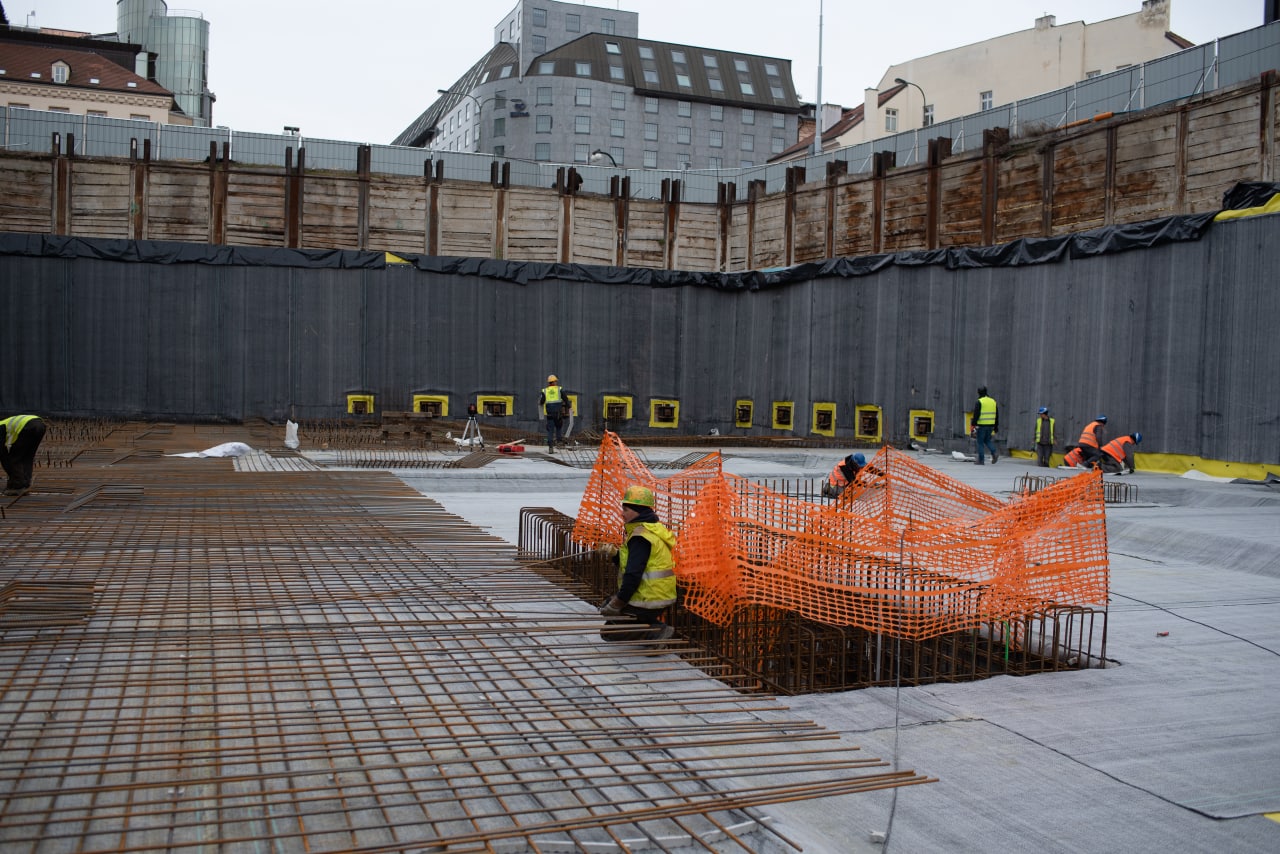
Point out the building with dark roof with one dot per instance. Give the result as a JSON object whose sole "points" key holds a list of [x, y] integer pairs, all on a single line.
{"points": [[565, 81], [85, 76]]}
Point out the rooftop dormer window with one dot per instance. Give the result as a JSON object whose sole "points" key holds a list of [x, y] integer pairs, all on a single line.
{"points": [[61, 72]]}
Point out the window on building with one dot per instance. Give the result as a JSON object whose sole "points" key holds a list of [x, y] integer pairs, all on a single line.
{"points": [[505, 72], [748, 117], [779, 120], [582, 69], [776, 92], [542, 124], [740, 65], [539, 17], [61, 72], [684, 135], [710, 61], [684, 109], [928, 115], [582, 97], [650, 130], [616, 73], [99, 113], [683, 81], [746, 87], [715, 162], [650, 75], [617, 127], [500, 127], [582, 124], [677, 56], [646, 51], [746, 164], [717, 112], [581, 151], [650, 105], [771, 68], [1089, 75], [650, 159], [542, 151], [540, 45], [616, 153], [715, 83], [59, 109], [716, 139], [608, 26], [466, 138], [891, 119], [547, 66], [618, 100], [777, 144], [748, 142], [573, 23], [500, 151], [612, 47], [544, 96], [985, 100]]}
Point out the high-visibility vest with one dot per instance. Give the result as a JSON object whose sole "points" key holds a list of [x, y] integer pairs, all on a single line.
{"points": [[1115, 448], [658, 586], [13, 426], [1089, 435], [1074, 457], [1040, 439], [551, 394], [986, 414]]}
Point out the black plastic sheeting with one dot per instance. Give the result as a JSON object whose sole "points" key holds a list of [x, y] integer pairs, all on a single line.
{"points": [[1250, 194], [1019, 253]]}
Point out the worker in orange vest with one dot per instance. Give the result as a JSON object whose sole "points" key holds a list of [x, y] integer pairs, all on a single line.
{"points": [[1092, 438], [1117, 455], [1072, 458]]}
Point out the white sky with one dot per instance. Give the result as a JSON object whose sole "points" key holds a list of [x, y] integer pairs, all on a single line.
{"points": [[364, 77]]}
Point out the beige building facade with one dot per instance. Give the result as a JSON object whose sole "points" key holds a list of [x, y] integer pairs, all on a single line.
{"points": [[1008, 68]]}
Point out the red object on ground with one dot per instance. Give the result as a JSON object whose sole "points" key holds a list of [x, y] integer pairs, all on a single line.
{"points": [[511, 448]]}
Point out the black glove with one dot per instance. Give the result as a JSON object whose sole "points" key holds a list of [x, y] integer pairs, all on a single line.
{"points": [[612, 607]]}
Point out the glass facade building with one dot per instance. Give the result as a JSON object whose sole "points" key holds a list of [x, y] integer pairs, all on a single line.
{"points": [[181, 44]]}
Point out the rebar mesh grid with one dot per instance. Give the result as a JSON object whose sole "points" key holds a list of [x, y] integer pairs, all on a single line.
{"points": [[327, 661]]}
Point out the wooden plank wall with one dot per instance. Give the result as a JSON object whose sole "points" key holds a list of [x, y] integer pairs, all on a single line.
{"points": [[1177, 158]]}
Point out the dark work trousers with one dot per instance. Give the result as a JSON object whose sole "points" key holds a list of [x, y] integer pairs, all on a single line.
{"points": [[555, 423], [1043, 452], [644, 627], [1089, 454], [20, 459]]}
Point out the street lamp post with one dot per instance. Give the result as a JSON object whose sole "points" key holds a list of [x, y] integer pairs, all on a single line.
{"points": [[599, 154], [924, 101]]}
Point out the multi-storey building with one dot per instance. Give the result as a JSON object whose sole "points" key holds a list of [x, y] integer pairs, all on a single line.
{"points": [[180, 43], [72, 73], [565, 81]]}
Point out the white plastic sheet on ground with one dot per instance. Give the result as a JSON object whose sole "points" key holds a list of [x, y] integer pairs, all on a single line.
{"points": [[227, 449]]}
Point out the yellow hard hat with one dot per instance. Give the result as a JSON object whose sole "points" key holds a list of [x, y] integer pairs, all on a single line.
{"points": [[639, 495], [552, 378]]}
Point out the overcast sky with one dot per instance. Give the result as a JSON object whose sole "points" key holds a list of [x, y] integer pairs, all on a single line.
{"points": [[365, 74]]}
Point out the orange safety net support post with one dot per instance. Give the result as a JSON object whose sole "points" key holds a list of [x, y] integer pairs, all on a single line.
{"points": [[906, 551]]}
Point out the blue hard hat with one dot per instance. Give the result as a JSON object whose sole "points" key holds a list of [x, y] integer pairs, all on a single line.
{"points": [[1044, 410], [1137, 437], [1101, 418], [858, 460]]}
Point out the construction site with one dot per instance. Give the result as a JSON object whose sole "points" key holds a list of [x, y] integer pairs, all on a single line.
{"points": [[281, 649]]}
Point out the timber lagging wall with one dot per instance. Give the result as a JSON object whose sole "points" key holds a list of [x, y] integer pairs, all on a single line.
{"points": [[1140, 166]]}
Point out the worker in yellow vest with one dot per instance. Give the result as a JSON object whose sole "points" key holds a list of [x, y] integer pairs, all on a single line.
{"points": [[20, 436], [986, 423], [646, 573], [554, 403], [1044, 438]]}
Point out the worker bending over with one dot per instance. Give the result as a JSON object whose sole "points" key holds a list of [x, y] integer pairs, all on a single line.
{"points": [[20, 436], [646, 573], [1117, 455], [843, 474], [1091, 440]]}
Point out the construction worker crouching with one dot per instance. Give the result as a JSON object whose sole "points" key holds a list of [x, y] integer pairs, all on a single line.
{"points": [[843, 474], [20, 436], [554, 404], [1091, 440], [1118, 454], [646, 573]]}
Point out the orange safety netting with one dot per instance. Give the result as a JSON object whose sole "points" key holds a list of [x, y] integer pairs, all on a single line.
{"points": [[905, 550]]}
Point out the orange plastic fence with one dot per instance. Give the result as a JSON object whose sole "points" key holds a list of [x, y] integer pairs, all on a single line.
{"points": [[906, 551]]}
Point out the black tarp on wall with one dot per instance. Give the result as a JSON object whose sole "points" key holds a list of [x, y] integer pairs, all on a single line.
{"points": [[1170, 337]]}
